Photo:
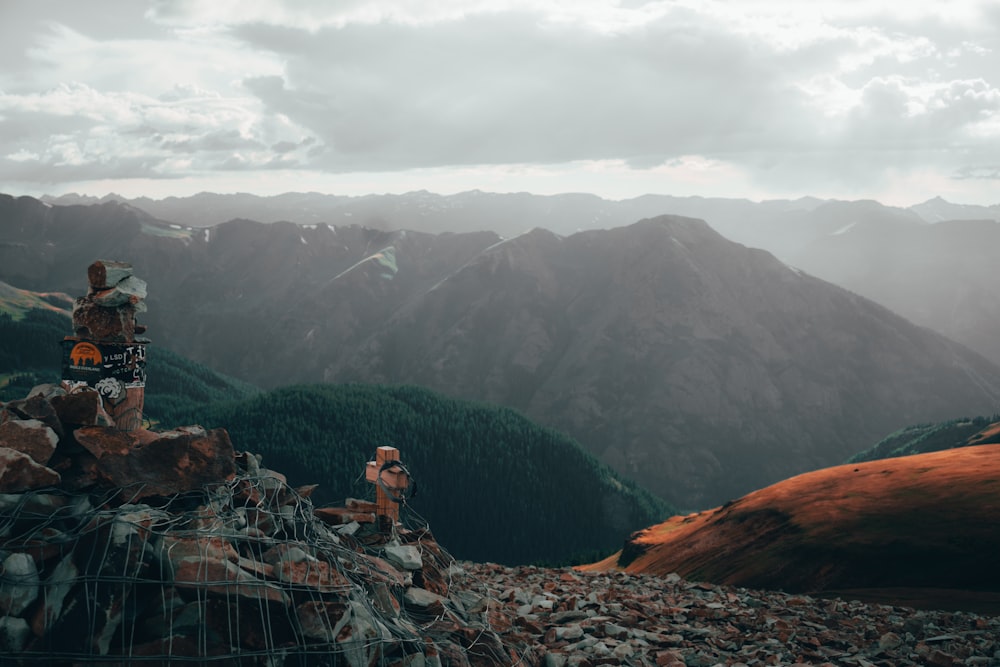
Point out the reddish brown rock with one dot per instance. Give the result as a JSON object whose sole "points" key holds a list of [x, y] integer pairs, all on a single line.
{"points": [[81, 408], [31, 437], [104, 273], [78, 470], [19, 472], [293, 565], [337, 516], [36, 406], [224, 578], [174, 548], [102, 442], [322, 621], [174, 463], [96, 322]]}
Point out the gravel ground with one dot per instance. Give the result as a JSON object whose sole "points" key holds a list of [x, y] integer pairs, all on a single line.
{"points": [[560, 617]]}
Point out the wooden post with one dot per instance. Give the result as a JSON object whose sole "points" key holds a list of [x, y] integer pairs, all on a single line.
{"points": [[390, 482]]}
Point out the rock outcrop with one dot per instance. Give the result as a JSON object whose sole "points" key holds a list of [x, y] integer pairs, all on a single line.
{"points": [[141, 547]]}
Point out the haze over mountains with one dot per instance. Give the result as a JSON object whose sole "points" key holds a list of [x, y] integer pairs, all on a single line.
{"points": [[697, 366], [936, 276]]}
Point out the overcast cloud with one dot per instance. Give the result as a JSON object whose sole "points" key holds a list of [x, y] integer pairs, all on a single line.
{"points": [[898, 101]]}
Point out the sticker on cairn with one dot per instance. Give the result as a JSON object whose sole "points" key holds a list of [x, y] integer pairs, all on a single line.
{"points": [[111, 389]]}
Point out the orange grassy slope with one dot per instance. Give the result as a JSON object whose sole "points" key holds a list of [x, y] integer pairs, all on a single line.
{"points": [[922, 530]]}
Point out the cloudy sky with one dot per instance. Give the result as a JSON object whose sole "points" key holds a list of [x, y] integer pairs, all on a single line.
{"points": [[897, 100]]}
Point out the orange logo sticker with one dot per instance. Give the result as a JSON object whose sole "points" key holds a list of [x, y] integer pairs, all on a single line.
{"points": [[85, 354]]}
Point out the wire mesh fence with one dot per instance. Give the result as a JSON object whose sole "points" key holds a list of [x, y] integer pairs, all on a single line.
{"points": [[237, 573]]}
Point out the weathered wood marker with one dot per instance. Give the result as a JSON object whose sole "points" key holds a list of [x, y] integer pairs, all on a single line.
{"points": [[107, 354], [391, 480]]}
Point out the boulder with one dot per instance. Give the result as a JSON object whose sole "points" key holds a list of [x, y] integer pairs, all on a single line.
{"points": [[31, 437], [174, 463], [19, 472], [406, 557], [81, 408], [38, 406]]}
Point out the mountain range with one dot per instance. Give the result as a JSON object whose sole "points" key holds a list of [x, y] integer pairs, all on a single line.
{"points": [[699, 367], [936, 275]]}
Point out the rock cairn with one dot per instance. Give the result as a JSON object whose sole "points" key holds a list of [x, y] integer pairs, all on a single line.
{"points": [[154, 548], [565, 618], [107, 354]]}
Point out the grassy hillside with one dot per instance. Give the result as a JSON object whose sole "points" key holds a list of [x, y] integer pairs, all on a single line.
{"points": [[917, 530], [493, 485]]}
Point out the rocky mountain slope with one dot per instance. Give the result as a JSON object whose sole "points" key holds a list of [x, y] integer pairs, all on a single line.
{"points": [[939, 276], [935, 275], [699, 367], [916, 530]]}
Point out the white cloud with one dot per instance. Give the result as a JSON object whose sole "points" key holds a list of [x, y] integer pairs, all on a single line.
{"points": [[775, 94]]}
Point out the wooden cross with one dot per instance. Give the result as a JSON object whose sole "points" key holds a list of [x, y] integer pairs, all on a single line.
{"points": [[390, 481]]}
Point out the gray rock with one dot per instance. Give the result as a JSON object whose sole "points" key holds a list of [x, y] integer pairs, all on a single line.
{"points": [[361, 637], [615, 630], [57, 586], [14, 634], [555, 660], [406, 557], [889, 641], [569, 632], [130, 290], [19, 584], [421, 599]]}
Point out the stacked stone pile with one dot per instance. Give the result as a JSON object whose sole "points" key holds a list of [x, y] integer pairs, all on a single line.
{"points": [[107, 351], [152, 548], [564, 618]]}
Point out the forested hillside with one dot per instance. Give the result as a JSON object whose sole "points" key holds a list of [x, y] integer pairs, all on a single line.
{"points": [[493, 485], [924, 438], [30, 354]]}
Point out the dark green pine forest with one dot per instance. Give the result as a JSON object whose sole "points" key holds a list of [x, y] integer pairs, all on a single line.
{"points": [[492, 485], [30, 354], [924, 438]]}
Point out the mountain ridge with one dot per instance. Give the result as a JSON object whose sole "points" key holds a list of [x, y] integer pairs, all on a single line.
{"points": [[698, 366]]}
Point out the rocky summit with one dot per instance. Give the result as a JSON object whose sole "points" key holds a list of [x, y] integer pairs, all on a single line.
{"points": [[158, 548]]}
